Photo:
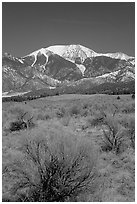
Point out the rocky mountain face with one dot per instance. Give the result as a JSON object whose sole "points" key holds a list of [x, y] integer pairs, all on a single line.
{"points": [[60, 65]]}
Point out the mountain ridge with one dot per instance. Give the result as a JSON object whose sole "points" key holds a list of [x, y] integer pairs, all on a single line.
{"points": [[57, 65], [63, 49]]}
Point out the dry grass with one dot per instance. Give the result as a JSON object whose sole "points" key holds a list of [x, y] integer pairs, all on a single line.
{"points": [[52, 168], [78, 121]]}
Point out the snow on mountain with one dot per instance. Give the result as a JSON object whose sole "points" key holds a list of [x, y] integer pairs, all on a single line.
{"points": [[127, 76], [124, 76], [111, 75], [132, 61], [82, 68], [55, 65], [58, 49], [73, 51], [117, 55], [20, 60], [36, 53], [13, 93]]}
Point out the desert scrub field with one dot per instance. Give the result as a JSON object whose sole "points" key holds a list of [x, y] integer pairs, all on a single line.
{"points": [[69, 148]]}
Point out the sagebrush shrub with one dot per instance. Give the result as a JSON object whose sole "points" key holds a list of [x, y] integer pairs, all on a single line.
{"points": [[61, 112], [22, 123], [22, 117], [128, 108], [97, 119], [94, 121], [133, 96], [129, 124], [113, 135], [74, 110], [118, 97], [55, 168], [65, 120], [45, 116]]}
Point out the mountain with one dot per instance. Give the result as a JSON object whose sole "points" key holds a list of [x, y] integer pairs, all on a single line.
{"points": [[64, 65], [72, 52], [35, 71]]}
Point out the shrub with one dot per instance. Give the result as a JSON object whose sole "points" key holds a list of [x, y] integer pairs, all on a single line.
{"points": [[74, 110], [132, 134], [128, 108], [94, 121], [133, 96], [86, 109], [22, 117], [112, 135], [118, 97], [17, 125], [98, 119], [52, 169], [85, 105], [65, 120], [61, 112], [116, 109], [129, 124], [22, 123], [57, 93], [44, 116]]}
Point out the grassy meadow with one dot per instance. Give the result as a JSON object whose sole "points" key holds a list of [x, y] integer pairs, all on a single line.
{"points": [[77, 148]]}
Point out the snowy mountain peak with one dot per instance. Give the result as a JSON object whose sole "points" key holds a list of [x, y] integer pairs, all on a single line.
{"points": [[72, 52]]}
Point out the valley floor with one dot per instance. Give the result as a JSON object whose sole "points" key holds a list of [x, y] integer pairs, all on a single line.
{"points": [[96, 118]]}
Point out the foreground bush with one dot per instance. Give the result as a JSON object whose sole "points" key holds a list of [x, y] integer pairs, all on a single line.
{"points": [[54, 169]]}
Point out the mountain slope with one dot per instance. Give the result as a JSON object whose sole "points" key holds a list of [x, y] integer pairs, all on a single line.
{"points": [[60, 65], [37, 71]]}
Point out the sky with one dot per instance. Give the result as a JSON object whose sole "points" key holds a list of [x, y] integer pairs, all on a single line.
{"points": [[101, 26]]}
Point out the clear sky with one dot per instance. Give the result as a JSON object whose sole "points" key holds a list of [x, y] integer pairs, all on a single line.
{"points": [[102, 27]]}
